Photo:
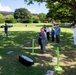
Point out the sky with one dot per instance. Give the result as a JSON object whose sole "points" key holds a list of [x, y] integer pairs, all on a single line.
{"points": [[11, 5]]}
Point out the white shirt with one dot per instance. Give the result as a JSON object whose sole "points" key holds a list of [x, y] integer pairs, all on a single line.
{"points": [[47, 30], [74, 31]]}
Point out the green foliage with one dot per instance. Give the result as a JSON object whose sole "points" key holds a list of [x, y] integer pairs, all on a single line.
{"points": [[58, 11], [22, 14], [9, 17], [2, 21], [1, 16], [32, 1], [35, 17], [11, 21], [60, 7], [28, 21], [36, 21], [42, 17]]}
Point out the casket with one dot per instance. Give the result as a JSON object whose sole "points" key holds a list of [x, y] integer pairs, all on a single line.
{"points": [[26, 61]]}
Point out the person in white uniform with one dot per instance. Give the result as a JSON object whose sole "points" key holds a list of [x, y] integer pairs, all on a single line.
{"points": [[74, 33]]}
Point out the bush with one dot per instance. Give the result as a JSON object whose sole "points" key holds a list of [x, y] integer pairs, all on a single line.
{"points": [[36, 21], [25, 21], [45, 21], [11, 21], [7, 21], [28, 21], [31, 21], [2, 21]]}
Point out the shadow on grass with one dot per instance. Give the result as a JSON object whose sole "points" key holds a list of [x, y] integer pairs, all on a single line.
{"points": [[9, 64]]}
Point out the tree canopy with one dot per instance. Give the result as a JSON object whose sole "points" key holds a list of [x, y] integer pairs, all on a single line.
{"points": [[1, 16], [59, 11], [70, 3], [22, 14], [9, 17], [42, 17]]}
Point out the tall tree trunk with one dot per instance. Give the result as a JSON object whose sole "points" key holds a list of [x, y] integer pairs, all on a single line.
{"points": [[75, 17], [74, 10]]}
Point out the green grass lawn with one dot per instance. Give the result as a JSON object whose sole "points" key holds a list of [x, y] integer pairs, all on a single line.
{"points": [[19, 34]]}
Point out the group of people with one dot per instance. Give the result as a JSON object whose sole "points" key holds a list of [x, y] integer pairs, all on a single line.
{"points": [[45, 33], [44, 36]]}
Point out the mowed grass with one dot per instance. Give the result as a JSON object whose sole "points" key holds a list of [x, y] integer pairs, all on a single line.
{"points": [[19, 34]]}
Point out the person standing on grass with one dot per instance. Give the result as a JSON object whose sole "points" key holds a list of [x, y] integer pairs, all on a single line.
{"points": [[39, 41], [43, 39], [6, 29], [44, 28], [57, 32], [74, 33], [48, 33], [52, 34]]}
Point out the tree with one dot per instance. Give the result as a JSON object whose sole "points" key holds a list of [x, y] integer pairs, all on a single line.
{"points": [[22, 14], [59, 11], [1, 16], [9, 17], [42, 17], [35, 17], [70, 3]]}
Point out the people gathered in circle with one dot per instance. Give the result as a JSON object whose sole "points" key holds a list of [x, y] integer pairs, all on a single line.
{"points": [[45, 33]]}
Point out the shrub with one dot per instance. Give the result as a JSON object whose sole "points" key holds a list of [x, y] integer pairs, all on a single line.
{"points": [[7, 21], [25, 21], [45, 21], [11, 21], [28, 21], [36, 21], [2, 21]]}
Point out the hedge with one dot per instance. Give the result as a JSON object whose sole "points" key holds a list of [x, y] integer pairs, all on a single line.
{"points": [[2, 21], [11, 21], [28, 21], [36, 21]]}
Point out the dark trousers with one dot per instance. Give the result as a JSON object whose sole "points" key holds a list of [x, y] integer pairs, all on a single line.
{"points": [[40, 43], [48, 36], [57, 38], [52, 38], [6, 32]]}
